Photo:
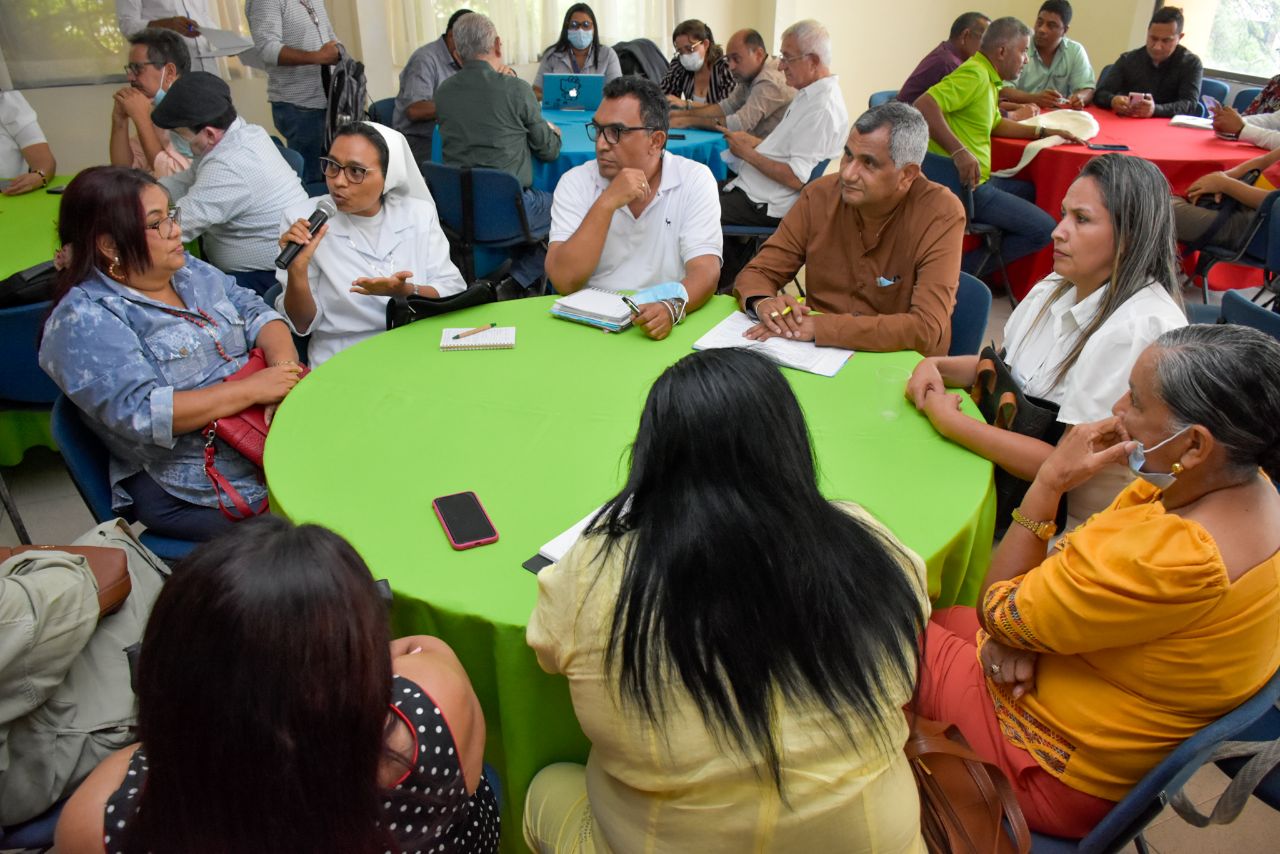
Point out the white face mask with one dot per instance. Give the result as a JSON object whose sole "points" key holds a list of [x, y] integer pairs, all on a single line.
{"points": [[1138, 458], [691, 61]]}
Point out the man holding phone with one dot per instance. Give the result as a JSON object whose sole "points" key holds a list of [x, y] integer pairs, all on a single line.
{"points": [[1161, 79]]}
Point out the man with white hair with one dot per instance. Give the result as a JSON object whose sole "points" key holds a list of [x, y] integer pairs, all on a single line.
{"points": [[882, 243], [772, 171], [489, 118]]}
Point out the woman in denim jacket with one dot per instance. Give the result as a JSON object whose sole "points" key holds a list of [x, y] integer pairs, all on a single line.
{"points": [[141, 336]]}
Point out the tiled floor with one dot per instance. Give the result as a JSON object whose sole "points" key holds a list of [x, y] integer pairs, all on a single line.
{"points": [[54, 513]]}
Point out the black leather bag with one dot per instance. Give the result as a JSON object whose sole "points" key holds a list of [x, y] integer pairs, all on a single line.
{"points": [[32, 285], [1003, 404], [401, 311], [1226, 208]]}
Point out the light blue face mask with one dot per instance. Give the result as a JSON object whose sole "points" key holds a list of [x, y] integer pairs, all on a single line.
{"points": [[181, 145], [665, 290], [1138, 458], [160, 92], [581, 39]]}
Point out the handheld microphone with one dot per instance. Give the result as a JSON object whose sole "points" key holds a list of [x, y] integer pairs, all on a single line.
{"points": [[319, 217]]}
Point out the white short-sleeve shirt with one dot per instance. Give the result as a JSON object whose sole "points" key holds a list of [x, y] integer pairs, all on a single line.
{"points": [[681, 223], [1100, 376], [410, 238], [813, 129], [18, 129]]}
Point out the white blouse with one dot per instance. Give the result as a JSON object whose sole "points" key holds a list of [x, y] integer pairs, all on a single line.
{"points": [[1100, 376], [410, 238]]}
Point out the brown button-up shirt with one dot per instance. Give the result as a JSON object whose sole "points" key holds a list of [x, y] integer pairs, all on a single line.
{"points": [[895, 291]]}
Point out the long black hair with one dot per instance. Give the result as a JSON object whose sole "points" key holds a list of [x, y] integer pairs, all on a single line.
{"points": [[740, 579], [562, 43]]}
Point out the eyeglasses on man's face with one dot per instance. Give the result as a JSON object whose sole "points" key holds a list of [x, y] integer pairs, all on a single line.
{"points": [[582, 25], [783, 59], [355, 173], [612, 133], [168, 227], [135, 68]]}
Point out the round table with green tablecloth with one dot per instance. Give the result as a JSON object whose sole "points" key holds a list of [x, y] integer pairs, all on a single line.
{"points": [[28, 236], [540, 433]]}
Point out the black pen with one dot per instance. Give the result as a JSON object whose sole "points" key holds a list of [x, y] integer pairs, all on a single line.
{"points": [[635, 309]]}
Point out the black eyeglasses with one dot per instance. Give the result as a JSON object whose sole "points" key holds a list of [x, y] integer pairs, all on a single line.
{"points": [[613, 133], [582, 25], [135, 68], [331, 168], [170, 225]]}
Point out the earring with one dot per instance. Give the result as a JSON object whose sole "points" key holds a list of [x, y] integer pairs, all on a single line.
{"points": [[1176, 469], [114, 270]]}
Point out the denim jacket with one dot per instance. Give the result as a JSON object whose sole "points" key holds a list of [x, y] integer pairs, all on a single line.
{"points": [[120, 356]]}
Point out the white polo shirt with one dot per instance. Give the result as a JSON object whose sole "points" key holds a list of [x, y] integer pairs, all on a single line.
{"points": [[1100, 376], [18, 130], [682, 222], [813, 129]]}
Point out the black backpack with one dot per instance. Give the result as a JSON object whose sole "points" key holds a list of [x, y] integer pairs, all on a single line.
{"points": [[348, 96]]}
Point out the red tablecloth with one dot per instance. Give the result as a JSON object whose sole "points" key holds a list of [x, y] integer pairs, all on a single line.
{"points": [[1182, 154]]}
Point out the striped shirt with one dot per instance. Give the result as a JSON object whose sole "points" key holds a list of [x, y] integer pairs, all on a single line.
{"points": [[234, 196], [299, 24]]}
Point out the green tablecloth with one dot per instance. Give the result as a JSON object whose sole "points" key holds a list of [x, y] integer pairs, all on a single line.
{"points": [[28, 236], [540, 433]]}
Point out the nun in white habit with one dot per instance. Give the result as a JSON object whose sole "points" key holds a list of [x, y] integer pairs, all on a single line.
{"points": [[384, 240]]}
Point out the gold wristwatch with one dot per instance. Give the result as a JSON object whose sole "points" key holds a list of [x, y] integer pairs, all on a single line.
{"points": [[1043, 530]]}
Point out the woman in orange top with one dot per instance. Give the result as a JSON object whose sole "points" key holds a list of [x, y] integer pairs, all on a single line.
{"points": [[1085, 667]]}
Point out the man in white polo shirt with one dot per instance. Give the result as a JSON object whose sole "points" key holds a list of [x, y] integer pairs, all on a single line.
{"points": [[636, 216], [773, 170]]}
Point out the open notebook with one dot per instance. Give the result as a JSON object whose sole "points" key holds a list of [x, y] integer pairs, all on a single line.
{"points": [[497, 338], [801, 355]]}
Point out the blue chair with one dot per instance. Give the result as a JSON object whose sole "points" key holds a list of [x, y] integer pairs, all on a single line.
{"points": [[35, 833], [293, 158], [1127, 819], [878, 98], [969, 317], [1238, 310], [87, 461], [1215, 89], [1260, 248], [23, 384], [942, 170], [479, 209], [382, 111], [1244, 98]]}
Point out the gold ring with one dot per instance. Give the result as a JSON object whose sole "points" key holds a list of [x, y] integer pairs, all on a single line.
{"points": [[774, 314]]}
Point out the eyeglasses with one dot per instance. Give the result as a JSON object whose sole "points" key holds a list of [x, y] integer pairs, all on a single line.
{"points": [[690, 48], [783, 59], [612, 133], [170, 226], [135, 68], [355, 174], [582, 25]]}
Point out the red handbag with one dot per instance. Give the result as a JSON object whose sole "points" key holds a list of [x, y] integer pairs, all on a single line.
{"points": [[246, 432]]}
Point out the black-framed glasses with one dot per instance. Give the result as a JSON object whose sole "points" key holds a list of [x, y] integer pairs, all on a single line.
{"points": [[613, 133], [135, 68], [170, 226], [582, 25], [355, 173]]}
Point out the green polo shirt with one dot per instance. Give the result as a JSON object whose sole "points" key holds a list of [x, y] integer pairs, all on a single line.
{"points": [[970, 101], [492, 120], [1068, 72]]}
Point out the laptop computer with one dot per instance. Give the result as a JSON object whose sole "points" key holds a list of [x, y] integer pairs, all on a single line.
{"points": [[572, 91]]}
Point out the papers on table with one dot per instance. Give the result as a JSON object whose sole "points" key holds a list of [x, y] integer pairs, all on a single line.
{"points": [[801, 355], [555, 550], [594, 307], [1192, 122], [223, 43]]}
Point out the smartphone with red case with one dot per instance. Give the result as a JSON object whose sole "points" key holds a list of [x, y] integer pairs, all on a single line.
{"points": [[464, 520]]}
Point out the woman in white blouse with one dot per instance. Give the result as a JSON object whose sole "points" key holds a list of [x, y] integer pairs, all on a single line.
{"points": [[384, 241], [1075, 337]]}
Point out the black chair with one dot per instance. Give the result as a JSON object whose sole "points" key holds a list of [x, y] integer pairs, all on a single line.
{"points": [[941, 170], [480, 209], [1259, 249]]}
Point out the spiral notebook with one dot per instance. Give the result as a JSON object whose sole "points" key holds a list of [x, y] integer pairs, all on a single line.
{"points": [[497, 338]]}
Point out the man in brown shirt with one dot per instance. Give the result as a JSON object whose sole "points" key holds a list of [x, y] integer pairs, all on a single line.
{"points": [[880, 244]]}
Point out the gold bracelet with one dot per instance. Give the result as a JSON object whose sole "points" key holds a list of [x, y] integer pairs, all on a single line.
{"points": [[1043, 530]]}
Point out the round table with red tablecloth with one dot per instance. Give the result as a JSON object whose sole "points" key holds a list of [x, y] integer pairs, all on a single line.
{"points": [[1182, 154]]}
